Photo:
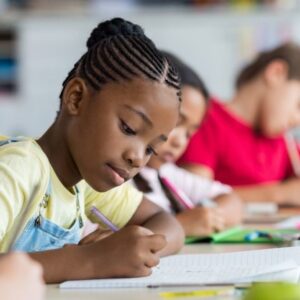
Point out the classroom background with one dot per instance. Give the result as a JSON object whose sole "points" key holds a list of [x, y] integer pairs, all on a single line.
{"points": [[40, 39]]}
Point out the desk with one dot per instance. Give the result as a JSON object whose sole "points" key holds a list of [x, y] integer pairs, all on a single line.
{"points": [[54, 293]]}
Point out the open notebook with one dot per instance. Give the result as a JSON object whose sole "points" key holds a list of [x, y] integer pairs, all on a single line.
{"points": [[200, 269]]}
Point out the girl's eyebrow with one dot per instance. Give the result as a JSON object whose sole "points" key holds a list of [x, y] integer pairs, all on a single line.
{"points": [[144, 117]]}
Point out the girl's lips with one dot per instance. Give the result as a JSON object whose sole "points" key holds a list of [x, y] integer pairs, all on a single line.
{"points": [[117, 175]]}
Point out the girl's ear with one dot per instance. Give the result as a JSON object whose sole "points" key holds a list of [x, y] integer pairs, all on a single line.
{"points": [[276, 72], [74, 94]]}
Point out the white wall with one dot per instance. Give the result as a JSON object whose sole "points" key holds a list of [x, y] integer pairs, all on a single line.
{"points": [[215, 44]]}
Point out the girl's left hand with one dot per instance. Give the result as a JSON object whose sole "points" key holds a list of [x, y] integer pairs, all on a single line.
{"points": [[96, 235]]}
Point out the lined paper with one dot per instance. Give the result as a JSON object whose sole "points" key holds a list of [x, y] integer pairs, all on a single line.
{"points": [[200, 269]]}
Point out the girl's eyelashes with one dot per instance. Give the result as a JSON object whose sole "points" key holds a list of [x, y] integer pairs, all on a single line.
{"points": [[150, 151], [126, 129]]}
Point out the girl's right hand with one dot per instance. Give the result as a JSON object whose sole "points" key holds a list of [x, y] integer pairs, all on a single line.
{"points": [[201, 221], [21, 278], [130, 252]]}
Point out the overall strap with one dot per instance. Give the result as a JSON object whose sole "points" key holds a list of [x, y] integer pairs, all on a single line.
{"points": [[10, 140]]}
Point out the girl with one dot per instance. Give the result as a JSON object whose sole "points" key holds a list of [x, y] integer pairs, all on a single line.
{"points": [[108, 126], [243, 140], [201, 220], [14, 285]]}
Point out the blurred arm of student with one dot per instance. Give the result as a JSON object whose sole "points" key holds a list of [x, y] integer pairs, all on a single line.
{"points": [[198, 188], [207, 220], [200, 170], [286, 192], [20, 278], [201, 221]]}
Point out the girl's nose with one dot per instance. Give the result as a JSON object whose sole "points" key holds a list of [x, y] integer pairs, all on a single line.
{"points": [[135, 158]]}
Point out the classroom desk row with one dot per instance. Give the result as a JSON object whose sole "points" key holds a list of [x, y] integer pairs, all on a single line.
{"points": [[54, 293]]}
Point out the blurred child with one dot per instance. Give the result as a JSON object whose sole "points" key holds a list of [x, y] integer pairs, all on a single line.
{"points": [[118, 103], [20, 278], [242, 143], [225, 209]]}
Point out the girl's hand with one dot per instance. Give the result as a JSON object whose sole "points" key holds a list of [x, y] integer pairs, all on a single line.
{"points": [[201, 221], [130, 252], [21, 278], [95, 236]]}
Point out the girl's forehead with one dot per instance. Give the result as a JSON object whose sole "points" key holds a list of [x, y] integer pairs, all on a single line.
{"points": [[145, 94]]}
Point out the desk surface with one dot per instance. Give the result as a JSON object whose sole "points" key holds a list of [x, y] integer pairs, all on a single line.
{"points": [[54, 293]]}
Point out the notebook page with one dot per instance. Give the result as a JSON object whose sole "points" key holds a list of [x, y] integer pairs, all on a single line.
{"points": [[195, 269]]}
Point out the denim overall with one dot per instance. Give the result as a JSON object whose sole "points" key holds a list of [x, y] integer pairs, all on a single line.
{"points": [[41, 234]]}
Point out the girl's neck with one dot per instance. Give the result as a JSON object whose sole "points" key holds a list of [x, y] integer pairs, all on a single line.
{"points": [[55, 147], [246, 104]]}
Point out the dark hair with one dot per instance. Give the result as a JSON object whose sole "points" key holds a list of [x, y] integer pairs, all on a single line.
{"points": [[119, 50], [187, 75], [143, 185], [288, 52]]}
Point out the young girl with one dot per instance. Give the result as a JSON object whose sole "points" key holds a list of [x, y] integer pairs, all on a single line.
{"points": [[201, 220], [14, 285], [242, 142], [108, 126]]}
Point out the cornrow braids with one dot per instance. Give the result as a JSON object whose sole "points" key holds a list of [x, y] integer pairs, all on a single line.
{"points": [[119, 50]]}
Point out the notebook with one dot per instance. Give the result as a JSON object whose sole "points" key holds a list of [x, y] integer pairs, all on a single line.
{"points": [[201, 269], [238, 234]]}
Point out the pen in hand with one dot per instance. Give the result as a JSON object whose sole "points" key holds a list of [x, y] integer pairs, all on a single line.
{"points": [[104, 219]]}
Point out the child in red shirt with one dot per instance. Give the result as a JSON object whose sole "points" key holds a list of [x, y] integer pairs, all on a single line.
{"points": [[242, 142]]}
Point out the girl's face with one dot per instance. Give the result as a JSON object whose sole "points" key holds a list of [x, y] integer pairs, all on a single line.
{"points": [[191, 114], [280, 108], [117, 130]]}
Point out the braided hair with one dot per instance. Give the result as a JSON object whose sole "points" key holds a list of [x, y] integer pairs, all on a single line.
{"points": [[119, 50]]}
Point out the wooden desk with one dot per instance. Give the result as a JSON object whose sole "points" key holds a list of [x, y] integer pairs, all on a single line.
{"points": [[54, 293]]}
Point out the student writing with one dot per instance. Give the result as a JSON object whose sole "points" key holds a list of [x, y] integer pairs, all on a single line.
{"points": [[118, 103]]}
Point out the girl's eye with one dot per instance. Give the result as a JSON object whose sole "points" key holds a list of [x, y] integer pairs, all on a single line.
{"points": [[150, 151], [126, 129]]}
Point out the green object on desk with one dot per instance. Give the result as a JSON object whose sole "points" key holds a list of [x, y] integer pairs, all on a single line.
{"points": [[273, 291], [237, 235]]}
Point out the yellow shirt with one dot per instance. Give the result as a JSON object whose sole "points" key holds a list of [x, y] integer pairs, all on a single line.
{"points": [[23, 165]]}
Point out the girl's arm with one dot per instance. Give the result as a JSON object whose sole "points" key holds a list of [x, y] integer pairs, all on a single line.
{"points": [[130, 252], [286, 192], [198, 188], [200, 170], [153, 217]]}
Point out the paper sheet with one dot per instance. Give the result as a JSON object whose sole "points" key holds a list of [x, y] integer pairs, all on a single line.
{"points": [[200, 269]]}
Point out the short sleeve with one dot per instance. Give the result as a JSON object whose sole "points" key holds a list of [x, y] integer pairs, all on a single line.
{"points": [[203, 146], [118, 204], [11, 197], [20, 172]]}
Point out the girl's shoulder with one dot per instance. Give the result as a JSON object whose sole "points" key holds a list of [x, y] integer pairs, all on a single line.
{"points": [[23, 155]]}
